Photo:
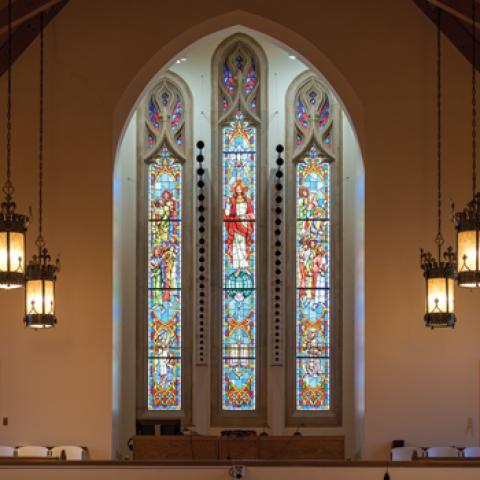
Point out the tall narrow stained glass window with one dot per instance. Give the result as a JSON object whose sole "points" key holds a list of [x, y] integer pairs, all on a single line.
{"points": [[164, 130], [313, 156], [313, 283], [164, 283], [239, 120], [239, 316]]}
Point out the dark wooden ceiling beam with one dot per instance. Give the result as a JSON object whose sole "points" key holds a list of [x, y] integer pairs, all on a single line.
{"points": [[463, 7], [454, 29], [23, 10], [26, 33]]}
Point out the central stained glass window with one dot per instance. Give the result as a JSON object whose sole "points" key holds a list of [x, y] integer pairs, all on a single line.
{"points": [[239, 293], [164, 283], [313, 284]]}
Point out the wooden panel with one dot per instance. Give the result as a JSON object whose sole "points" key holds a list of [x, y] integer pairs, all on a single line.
{"points": [[251, 448], [239, 448], [166, 447], [303, 448]]}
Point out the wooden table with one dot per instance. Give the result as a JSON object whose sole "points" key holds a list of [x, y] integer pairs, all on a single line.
{"points": [[199, 447]]}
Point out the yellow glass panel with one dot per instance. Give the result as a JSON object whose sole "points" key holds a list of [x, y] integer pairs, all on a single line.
{"points": [[466, 251], [437, 295], [17, 250], [3, 251], [34, 297], [34, 303], [49, 297], [451, 295]]}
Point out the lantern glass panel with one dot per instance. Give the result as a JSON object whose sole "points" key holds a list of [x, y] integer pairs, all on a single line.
{"points": [[49, 297], [451, 295], [437, 295], [40, 297], [34, 297], [3, 252], [467, 254]]}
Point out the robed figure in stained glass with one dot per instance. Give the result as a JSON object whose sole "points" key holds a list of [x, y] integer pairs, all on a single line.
{"points": [[238, 217]]}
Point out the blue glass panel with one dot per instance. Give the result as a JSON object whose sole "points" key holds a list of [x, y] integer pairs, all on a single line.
{"points": [[313, 384]]}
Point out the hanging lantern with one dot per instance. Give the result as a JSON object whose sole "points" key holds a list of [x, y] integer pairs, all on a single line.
{"points": [[41, 274], [467, 222], [40, 291], [439, 275], [13, 226], [439, 289]]}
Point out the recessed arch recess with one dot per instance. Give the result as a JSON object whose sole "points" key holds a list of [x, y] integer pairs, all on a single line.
{"points": [[305, 50]]}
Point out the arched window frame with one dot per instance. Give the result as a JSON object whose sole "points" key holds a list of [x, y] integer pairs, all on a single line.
{"points": [[296, 151], [257, 417], [149, 143]]}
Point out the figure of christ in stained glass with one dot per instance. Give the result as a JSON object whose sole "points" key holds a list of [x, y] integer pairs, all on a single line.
{"points": [[239, 339], [312, 278], [164, 282]]}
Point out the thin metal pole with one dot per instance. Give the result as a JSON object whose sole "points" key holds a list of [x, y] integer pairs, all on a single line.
{"points": [[40, 242], [439, 134], [474, 104]]}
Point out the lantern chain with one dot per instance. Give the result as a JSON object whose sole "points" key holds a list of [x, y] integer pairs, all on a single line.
{"points": [[8, 187], [474, 103], [439, 240], [40, 243]]}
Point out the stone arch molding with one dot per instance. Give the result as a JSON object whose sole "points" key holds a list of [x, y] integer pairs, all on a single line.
{"points": [[309, 53]]}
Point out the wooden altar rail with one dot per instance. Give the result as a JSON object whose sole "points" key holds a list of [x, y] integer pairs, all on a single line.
{"points": [[198, 447]]}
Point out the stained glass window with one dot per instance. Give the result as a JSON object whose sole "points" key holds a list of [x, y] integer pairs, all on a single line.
{"points": [[239, 298], [238, 95], [313, 283], [165, 151], [164, 283]]}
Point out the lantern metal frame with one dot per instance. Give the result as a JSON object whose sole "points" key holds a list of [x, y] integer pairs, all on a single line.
{"points": [[11, 222], [41, 269], [468, 220], [432, 269]]}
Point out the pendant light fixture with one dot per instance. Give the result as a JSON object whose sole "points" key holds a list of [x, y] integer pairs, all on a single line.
{"points": [[467, 222], [13, 226], [41, 273], [439, 273]]}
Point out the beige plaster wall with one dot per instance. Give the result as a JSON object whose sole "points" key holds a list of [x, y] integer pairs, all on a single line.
{"points": [[55, 387]]}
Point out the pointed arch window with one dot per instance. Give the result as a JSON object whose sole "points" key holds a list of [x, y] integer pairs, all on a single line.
{"points": [[166, 146], [239, 133], [313, 310]]}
